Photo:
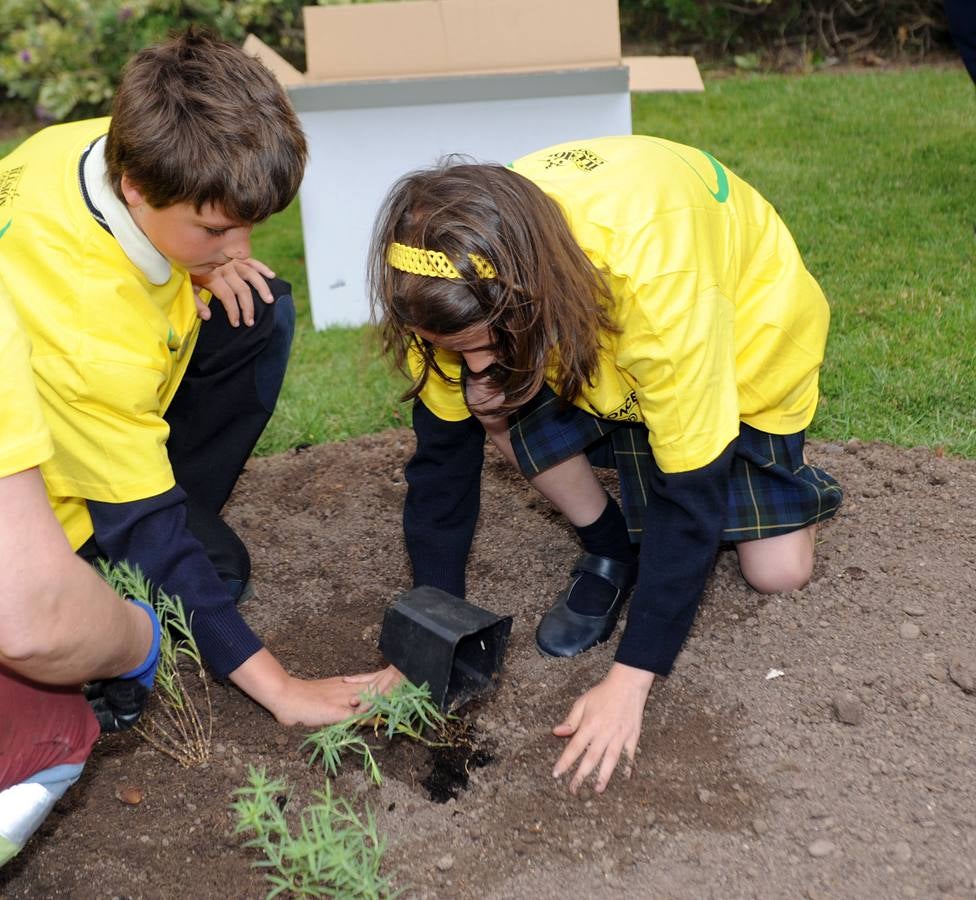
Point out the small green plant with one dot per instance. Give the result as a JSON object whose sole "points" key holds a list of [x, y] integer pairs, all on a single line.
{"points": [[406, 710], [174, 723], [336, 852]]}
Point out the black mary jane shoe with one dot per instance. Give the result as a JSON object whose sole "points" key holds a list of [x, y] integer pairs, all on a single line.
{"points": [[563, 632]]}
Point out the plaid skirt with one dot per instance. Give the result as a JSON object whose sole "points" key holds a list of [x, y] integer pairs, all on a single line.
{"points": [[772, 489]]}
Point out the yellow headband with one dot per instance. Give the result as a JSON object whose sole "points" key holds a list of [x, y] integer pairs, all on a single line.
{"points": [[417, 261]]}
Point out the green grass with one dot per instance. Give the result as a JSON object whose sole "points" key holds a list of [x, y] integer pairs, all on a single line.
{"points": [[337, 386], [873, 172]]}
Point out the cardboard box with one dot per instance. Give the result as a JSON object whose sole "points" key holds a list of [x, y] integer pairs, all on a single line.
{"points": [[392, 87]]}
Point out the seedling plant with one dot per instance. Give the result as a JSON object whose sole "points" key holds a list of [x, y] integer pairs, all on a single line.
{"points": [[336, 853], [406, 710], [174, 723]]}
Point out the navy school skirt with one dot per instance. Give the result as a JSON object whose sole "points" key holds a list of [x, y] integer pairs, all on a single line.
{"points": [[772, 490]]}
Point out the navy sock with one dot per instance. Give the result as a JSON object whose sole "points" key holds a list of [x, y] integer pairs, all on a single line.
{"points": [[607, 536]]}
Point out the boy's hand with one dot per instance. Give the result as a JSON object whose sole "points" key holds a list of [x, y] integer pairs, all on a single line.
{"points": [[323, 701], [381, 682], [604, 722], [231, 284], [294, 701]]}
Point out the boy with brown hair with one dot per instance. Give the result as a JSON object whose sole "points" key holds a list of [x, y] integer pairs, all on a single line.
{"points": [[109, 231]]}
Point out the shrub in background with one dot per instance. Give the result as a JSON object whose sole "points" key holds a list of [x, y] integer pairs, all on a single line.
{"points": [[63, 58], [779, 33]]}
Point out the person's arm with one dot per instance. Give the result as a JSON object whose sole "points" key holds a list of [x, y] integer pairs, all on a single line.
{"points": [[152, 534], [682, 529], [60, 623], [443, 498]]}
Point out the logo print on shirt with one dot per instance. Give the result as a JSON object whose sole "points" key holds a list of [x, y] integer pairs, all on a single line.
{"points": [[8, 186], [629, 410], [721, 192], [584, 160]]}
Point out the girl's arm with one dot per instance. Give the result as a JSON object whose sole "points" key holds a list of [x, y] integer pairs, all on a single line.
{"points": [[682, 528], [443, 498]]}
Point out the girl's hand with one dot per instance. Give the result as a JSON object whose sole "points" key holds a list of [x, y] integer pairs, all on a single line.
{"points": [[604, 722], [231, 284]]}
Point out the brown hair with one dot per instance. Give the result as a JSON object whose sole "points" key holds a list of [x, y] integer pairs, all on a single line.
{"points": [[198, 120], [546, 307]]}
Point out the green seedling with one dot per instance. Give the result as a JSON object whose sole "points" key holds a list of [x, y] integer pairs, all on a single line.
{"points": [[174, 723], [407, 710], [336, 852]]}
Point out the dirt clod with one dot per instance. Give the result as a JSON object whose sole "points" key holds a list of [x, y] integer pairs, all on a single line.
{"points": [[962, 670], [848, 708]]}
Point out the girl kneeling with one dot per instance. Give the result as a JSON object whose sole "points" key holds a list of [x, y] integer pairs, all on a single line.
{"points": [[623, 302]]}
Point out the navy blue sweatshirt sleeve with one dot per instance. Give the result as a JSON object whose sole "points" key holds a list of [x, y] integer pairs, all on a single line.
{"points": [[443, 498], [152, 534], [682, 529]]}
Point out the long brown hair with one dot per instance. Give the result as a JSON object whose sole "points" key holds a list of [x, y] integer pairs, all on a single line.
{"points": [[547, 305]]}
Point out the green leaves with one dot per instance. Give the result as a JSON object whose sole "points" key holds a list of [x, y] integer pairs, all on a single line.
{"points": [[406, 710], [175, 723], [335, 852]]}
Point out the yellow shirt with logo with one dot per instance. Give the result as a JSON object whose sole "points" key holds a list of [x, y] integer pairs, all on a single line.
{"points": [[109, 346], [25, 440], [719, 320]]}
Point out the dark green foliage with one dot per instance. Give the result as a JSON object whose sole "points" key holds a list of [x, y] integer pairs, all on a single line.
{"points": [[784, 32]]}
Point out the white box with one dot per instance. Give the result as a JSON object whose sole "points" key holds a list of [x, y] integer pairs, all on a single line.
{"points": [[393, 87]]}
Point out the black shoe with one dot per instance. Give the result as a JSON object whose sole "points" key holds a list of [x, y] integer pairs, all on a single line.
{"points": [[563, 632]]}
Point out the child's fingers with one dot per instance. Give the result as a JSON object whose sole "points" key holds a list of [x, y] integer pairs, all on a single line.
{"points": [[364, 678], [574, 749], [611, 756], [266, 271], [569, 725], [256, 279]]}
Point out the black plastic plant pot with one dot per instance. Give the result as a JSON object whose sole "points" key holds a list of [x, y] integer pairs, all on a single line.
{"points": [[455, 647]]}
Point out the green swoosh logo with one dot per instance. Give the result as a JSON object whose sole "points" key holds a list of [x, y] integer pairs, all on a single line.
{"points": [[722, 192], [3, 230]]}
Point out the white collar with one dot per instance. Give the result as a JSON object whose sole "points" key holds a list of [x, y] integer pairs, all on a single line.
{"points": [[140, 250]]}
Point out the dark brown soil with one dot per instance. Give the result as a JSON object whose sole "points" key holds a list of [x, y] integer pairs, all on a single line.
{"points": [[746, 785]]}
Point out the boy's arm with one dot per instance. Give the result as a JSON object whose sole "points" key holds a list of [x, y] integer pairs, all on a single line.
{"points": [[59, 622], [443, 498], [152, 533]]}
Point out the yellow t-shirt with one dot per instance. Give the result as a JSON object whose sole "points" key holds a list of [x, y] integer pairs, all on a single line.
{"points": [[719, 320], [109, 346], [25, 441]]}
